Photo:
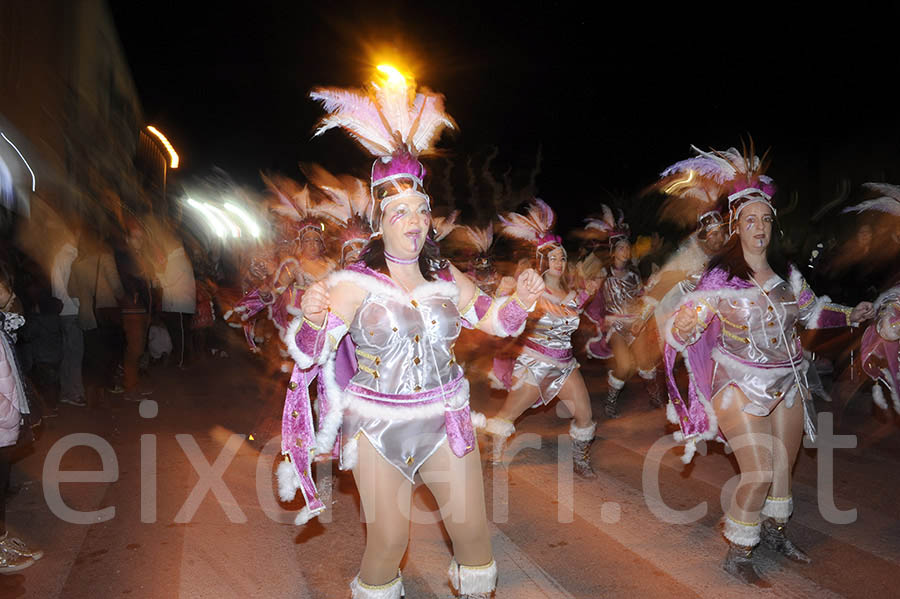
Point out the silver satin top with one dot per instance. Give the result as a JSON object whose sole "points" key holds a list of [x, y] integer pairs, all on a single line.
{"points": [[623, 293], [558, 320], [759, 349], [401, 349]]}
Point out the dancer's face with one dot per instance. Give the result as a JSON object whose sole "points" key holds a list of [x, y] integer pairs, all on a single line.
{"points": [[755, 227], [556, 262], [622, 252], [404, 225], [311, 246]]}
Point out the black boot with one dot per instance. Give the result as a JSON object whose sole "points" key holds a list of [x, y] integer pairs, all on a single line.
{"points": [[653, 389], [612, 398], [773, 536], [739, 563]]}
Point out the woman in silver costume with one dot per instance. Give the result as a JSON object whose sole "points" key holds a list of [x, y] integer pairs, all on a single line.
{"points": [[405, 410], [626, 311], [546, 367], [747, 374]]}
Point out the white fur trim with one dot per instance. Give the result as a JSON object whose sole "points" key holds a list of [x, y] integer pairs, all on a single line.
{"points": [[878, 396], [671, 414], [392, 590], [350, 454], [495, 382], [499, 427], [647, 375], [732, 364], [741, 534], [582, 434], [290, 341], [227, 315], [691, 444], [304, 516], [369, 409], [479, 421], [288, 480], [613, 381], [473, 579], [781, 507], [443, 289], [331, 424]]}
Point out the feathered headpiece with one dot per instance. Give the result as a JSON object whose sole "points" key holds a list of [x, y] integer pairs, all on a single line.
{"points": [[480, 238], [616, 229], [392, 122], [349, 199], [709, 175], [444, 225], [293, 203], [888, 200], [535, 227]]}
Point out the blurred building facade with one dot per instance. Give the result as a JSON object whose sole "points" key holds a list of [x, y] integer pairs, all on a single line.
{"points": [[70, 105]]}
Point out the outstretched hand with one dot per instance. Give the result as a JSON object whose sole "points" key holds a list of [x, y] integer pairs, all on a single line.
{"points": [[863, 311]]}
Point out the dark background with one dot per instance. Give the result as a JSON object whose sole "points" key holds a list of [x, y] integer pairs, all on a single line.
{"points": [[612, 93]]}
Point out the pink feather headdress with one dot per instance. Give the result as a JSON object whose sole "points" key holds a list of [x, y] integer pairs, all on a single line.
{"points": [[535, 227], [710, 175], [394, 123], [615, 228]]}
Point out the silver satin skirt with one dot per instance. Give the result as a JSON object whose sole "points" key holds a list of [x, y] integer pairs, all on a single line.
{"points": [[546, 374], [764, 387]]}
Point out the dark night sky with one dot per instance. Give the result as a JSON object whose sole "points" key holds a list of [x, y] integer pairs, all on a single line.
{"points": [[613, 97]]}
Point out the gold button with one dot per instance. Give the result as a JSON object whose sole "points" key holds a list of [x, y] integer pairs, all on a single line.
{"points": [[299, 442], [372, 333], [675, 400], [416, 360], [377, 360], [375, 374], [778, 394], [684, 419], [770, 324], [409, 460], [774, 340], [771, 309], [292, 385], [416, 338], [433, 322], [394, 329], [444, 305], [468, 447], [294, 414], [414, 303], [417, 388]]}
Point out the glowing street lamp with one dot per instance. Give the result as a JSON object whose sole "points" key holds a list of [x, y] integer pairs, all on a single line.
{"points": [[173, 155], [394, 77]]}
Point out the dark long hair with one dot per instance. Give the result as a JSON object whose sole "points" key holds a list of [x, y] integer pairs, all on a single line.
{"points": [[430, 260], [731, 257]]}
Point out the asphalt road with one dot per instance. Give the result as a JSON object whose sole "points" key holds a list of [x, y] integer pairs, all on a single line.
{"points": [[553, 536]]}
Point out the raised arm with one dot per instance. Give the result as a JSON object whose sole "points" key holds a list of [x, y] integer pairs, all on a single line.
{"points": [[324, 318], [503, 317]]}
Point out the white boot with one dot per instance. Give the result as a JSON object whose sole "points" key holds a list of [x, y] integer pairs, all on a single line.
{"points": [[390, 590], [474, 582], [500, 430]]}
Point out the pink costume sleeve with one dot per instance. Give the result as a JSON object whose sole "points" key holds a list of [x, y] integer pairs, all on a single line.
{"points": [[817, 312], [501, 317]]}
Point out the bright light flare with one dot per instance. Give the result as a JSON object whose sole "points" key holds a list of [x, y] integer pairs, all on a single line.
{"points": [[681, 182], [173, 155], [28, 166], [212, 220], [394, 77], [245, 217], [235, 230]]}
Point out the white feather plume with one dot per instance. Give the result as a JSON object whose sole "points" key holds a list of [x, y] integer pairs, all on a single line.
{"points": [[385, 118], [889, 201], [444, 225], [481, 238], [531, 226]]}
